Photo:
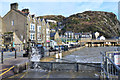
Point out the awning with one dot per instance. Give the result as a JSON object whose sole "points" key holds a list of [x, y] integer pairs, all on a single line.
{"points": [[48, 41]]}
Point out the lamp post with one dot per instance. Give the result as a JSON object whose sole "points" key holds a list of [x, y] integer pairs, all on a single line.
{"points": [[24, 43], [66, 38]]}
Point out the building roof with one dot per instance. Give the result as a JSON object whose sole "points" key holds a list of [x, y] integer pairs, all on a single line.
{"points": [[21, 12], [52, 34], [77, 33], [68, 32]]}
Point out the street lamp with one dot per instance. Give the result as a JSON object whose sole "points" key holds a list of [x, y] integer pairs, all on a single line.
{"points": [[66, 38]]}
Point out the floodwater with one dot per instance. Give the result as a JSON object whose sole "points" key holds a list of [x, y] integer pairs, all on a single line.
{"points": [[84, 55], [88, 54]]}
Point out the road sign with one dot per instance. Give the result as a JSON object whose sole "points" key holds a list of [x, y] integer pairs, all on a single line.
{"points": [[117, 58]]}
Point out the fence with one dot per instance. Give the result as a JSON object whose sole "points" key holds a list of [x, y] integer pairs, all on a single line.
{"points": [[110, 70], [66, 66]]}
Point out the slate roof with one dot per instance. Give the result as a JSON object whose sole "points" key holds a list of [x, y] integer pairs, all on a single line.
{"points": [[52, 34]]}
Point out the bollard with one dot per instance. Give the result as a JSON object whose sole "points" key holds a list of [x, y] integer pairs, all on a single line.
{"points": [[15, 54], [2, 57], [57, 56], [49, 53], [60, 54]]}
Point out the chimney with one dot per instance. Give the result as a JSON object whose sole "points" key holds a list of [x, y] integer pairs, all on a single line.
{"points": [[25, 10], [14, 6]]}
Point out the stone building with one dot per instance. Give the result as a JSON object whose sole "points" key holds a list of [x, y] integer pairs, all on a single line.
{"points": [[0, 32], [43, 32], [16, 21], [26, 27]]}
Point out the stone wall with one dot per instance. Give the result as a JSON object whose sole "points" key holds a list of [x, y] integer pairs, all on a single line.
{"points": [[0, 32]]}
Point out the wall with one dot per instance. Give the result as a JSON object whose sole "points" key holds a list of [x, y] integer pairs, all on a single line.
{"points": [[0, 32], [20, 23]]}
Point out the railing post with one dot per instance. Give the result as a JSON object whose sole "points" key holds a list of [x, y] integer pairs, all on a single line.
{"points": [[2, 56], [51, 66], [15, 54], [77, 67], [118, 75]]}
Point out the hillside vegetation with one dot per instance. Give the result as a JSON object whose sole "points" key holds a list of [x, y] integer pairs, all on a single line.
{"points": [[104, 22]]}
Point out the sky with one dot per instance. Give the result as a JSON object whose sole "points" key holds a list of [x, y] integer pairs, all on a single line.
{"points": [[60, 7]]}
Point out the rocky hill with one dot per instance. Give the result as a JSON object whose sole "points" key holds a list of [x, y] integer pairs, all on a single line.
{"points": [[57, 18], [104, 22]]}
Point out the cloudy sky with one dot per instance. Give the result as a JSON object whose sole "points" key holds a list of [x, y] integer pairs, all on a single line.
{"points": [[61, 7]]}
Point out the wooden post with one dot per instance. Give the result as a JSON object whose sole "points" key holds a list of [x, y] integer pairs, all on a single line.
{"points": [[2, 57], [15, 54]]}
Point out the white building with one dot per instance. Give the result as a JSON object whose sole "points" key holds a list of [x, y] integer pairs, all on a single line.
{"points": [[101, 38]]}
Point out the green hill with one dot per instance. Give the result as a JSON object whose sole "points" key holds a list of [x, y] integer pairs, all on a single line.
{"points": [[104, 22]]}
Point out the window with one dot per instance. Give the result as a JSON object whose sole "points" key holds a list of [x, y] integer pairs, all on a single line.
{"points": [[32, 27], [40, 28], [12, 22], [32, 36]]}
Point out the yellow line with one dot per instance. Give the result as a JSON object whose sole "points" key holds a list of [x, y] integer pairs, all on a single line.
{"points": [[16, 75], [6, 71], [20, 73], [48, 75], [24, 74], [43, 76], [6, 59]]}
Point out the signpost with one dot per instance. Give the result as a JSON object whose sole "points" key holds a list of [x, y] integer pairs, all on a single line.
{"points": [[115, 56]]}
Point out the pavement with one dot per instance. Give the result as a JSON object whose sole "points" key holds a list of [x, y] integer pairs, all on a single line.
{"points": [[9, 63], [9, 66], [41, 74]]}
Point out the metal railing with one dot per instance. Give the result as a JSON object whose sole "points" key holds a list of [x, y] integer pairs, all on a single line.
{"points": [[109, 71], [67, 66]]}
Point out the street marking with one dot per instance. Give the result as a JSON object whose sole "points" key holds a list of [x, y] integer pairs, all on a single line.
{"points": [[48, 75], [43, 76], [23, 75], [4, 69], [73, 76], [7, 71], [16, 75], [6, 59]]}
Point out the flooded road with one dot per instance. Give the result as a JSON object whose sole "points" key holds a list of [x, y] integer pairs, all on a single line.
{"points": [[84, 55], [88, 54]]}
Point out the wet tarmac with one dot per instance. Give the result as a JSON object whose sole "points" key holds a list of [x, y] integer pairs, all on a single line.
{"points": [[85, 55], [88, 55], [57, 74]]}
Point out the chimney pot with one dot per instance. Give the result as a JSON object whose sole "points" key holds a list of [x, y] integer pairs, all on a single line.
{"points": [[14, 6]]}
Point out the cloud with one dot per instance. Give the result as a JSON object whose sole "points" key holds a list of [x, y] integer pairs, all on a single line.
{"points": [[59, 0]]}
